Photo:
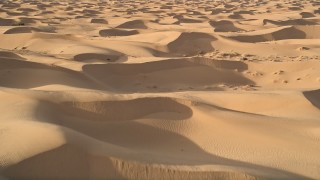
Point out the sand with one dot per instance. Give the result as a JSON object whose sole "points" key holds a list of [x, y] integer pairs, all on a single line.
{"points": [[110, 89]]}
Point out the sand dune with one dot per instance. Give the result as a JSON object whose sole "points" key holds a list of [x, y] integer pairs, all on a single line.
{"points": [[289, 22], [33, 75], [313, 97], [166, 121], [307, 14], [135, 24], [6, 22], [159, 89], [10, 55], [293, 32], [91, 57], [189, 44], [117, 32], [224, 26], [18, 30], [100, 21], [169, 74]]}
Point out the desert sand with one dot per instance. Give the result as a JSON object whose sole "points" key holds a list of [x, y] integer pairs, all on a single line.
{"points": [[148, 89]]}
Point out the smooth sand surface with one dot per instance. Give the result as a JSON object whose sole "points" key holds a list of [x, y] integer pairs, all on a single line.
{"points": [[135, 89]]}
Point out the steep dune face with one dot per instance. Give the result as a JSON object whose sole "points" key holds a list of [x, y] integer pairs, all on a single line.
{"points": [[135, 24], [169, 74], [113, 110], [188, 44], [24, 74], [10, 55], [159, 90], [117, 32], [92, 57], [6, 22], [290, 22], [224, 26], [18, 30], [294, 32], [313, 97]]}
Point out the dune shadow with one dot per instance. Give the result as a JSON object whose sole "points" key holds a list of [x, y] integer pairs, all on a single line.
{"points": [[96, 57], [283, 34], [117, 32], [25, 74], [24, 29], [99, 21], [313, 97], [11, 55], [64, 162], [224, 26], [191, 43], [134, 24], [167, 75], [7, 22], [307, 15], [188, 20], [291, 22], [158, 146], [136, 108]]}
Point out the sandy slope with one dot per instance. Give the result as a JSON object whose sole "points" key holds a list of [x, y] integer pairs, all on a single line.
{"points": [[159, 89]]}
